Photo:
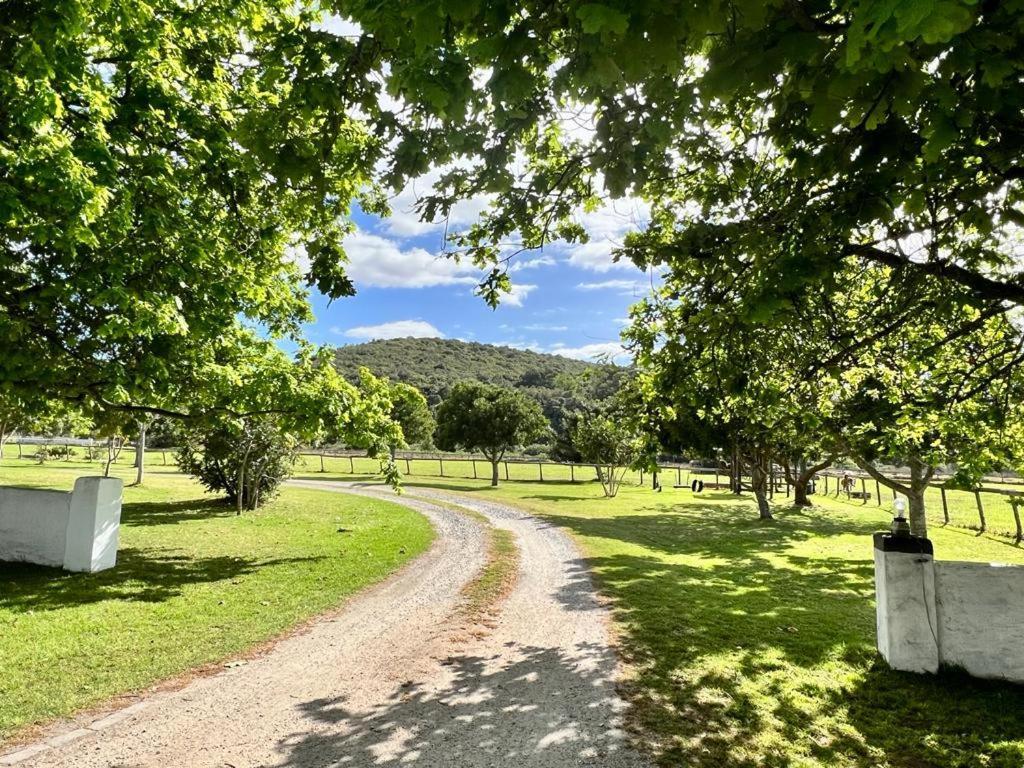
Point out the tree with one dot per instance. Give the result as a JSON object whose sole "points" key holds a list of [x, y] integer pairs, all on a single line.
{"points": [[610, 445], [410, 411], [246, 459], [794, 134], [163, 169], [940, 386], [489, 419]]}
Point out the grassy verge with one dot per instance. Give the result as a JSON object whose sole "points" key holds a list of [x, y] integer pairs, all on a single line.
{"points": [[483, 594], [752, 644], [194, 585]]}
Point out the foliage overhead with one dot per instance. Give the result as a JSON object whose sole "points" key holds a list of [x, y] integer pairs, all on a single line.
{"points": [[162, 167], [783, 137]]}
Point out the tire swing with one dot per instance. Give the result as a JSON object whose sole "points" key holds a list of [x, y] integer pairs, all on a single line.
{"points": [[697, 486]]}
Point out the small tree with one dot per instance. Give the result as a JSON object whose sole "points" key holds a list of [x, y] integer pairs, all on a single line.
{"points": [[489, 419], [246, 459], [410, 411], [610, 445]]}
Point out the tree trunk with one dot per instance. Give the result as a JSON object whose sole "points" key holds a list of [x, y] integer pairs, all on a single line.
{"points": [[918, 520], [920, 476], [759, 482], [110, 456], [240, 500], [140, 454], [494, 472], [800, 498]]}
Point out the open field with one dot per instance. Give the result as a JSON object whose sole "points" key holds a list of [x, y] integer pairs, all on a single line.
{"points": [[194, 585], [752, 644], [962, 505]]}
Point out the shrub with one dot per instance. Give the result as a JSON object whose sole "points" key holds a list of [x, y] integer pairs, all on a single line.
{"points": [[247, 460]]}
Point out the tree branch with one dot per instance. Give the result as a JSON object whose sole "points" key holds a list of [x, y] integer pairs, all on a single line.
{"points": [[981, 285]]}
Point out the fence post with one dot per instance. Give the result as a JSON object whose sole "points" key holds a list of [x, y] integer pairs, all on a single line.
{"points": [[864, 490], [506, 470], [473, 462], [945, 506], [981, 511], [351, 466], [878, 492], [164, 455], [679, 476], [826, 484], [572, 472], [641, 477], [441, 462], [540, 468], [322, 462], [408, 469]]}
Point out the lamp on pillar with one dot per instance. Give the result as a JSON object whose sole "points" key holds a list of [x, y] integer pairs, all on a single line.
{"points": [[900, 524]]}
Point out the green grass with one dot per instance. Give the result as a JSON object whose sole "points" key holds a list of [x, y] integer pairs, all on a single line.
{"points": [[194, 584], [752, 644], [961, 505]]}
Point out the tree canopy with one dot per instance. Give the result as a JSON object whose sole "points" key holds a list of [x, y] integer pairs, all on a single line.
{"points": [[164, 171], [489, 419], [785, 137]]}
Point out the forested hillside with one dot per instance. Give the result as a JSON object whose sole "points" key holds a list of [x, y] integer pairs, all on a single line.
{"points": [[435, 365]]}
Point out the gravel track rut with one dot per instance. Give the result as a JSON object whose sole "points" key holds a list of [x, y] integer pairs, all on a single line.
{"points": [[395, 678]]}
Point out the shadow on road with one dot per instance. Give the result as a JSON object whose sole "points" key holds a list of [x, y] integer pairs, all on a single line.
{"points": [[545, 709]]}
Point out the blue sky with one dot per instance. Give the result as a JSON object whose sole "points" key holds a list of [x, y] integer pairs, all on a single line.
{"points": [[569, 300]]}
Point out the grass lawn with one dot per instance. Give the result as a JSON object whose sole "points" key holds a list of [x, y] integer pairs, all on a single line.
{"points": [[194, 584], [752, 644]]}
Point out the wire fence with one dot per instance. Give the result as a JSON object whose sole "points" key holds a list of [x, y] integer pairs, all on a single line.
{"points": [[988, 509], [993, 508]]}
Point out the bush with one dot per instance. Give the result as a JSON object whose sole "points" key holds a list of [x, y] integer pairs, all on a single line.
{"points": [[246, 460]]}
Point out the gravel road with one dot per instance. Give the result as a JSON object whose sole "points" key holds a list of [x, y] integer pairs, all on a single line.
{"points": [[394, 679]]}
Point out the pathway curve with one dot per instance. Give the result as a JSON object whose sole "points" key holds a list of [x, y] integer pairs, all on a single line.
{"points": [[394, 680]]}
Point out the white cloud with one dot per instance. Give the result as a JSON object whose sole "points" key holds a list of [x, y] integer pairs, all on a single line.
{"points": [[397, 329], [339, 26], [607, 227], [518, 295], [629, 286], [404, 221], [379, 262], [595, 352], [540, 261], [541, 327]]}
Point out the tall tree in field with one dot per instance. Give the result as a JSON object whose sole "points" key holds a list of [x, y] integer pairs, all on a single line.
{"points": [[489, 419]]}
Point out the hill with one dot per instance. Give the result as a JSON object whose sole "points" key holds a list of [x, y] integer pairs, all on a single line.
{"points": [[435, 365]]}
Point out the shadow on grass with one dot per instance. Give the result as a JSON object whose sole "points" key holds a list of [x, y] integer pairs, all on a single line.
{"points": [[139, 576], [140, 513], [753, 644], [545, 708]]}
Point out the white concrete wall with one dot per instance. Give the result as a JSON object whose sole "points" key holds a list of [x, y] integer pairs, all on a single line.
{"points": [[33, 525], [981, 618], [930, 613], [77, 531]]}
